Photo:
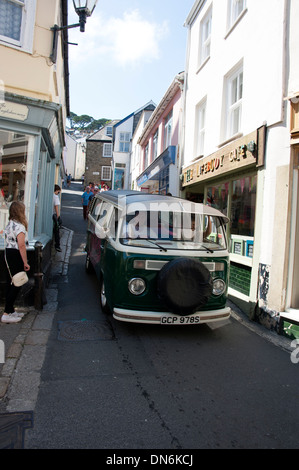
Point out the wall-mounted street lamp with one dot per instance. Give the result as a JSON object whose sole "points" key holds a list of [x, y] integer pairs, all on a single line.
{"points": [[83, 8]]}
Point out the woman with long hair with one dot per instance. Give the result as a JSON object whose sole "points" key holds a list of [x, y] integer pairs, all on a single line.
{"points": [[16, 257]]}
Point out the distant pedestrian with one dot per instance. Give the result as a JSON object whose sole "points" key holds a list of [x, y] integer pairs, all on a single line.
{"points": [[56, 217], [92, 195], [16, 258], [69, 179], [85, 200]]}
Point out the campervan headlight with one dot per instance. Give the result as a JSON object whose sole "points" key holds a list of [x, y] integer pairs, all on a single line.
{"points": [[219, 287], [136, 286]]}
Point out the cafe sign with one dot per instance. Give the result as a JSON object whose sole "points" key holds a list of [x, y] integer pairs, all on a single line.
{"points": [[243, 152]]}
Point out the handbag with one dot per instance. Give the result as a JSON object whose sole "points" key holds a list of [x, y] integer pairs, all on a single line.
{"points": [[18, 279]]}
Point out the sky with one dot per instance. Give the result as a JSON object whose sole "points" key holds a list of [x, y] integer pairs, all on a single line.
{"points": [[129, 54]]}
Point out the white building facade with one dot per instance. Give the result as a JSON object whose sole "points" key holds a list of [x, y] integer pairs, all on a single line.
{"points": [[241, 70], [122, 147]]}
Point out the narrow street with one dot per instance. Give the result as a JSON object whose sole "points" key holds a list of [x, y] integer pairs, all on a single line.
{"points": [[112, 385]]}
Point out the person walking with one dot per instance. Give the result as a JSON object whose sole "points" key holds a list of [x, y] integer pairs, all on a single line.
{"points": [[85, 201], [56, 217], [15, 234]]}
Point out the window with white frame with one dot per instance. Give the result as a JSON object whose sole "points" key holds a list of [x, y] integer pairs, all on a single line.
{"points": [[234, 102], [146, 156], [107, 150], [106, 173], [155, 144], [167, 130], [124, 141], [17, 19], [109, 130], [200, 124], [205, 37], [236, 8]]}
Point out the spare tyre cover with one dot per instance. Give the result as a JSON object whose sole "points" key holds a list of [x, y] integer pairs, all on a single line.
{"points": [[184, 286]]}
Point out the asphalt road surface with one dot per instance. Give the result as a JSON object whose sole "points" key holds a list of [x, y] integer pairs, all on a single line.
{"points": [[156, 387]]}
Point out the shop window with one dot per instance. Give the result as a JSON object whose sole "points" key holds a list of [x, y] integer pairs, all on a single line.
{"points": [[16, 160], [44, 186], [237, 200], [164, 181], [119, 176], [243, 206], [218, 197]]}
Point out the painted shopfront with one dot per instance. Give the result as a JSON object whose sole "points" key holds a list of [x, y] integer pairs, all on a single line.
{"points": [[228, 180]]}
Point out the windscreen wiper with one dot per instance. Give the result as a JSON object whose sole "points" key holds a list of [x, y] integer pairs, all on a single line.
{"points": [[154, 243], [147, 240]]}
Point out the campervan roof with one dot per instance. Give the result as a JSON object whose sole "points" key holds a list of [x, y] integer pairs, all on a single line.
{"points": [[122, 198]]}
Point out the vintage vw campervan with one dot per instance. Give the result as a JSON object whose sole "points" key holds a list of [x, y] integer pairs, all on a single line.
{"points": [[159, 259]]}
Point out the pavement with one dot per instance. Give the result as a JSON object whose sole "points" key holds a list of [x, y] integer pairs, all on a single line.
{"points": [[25, 342]]}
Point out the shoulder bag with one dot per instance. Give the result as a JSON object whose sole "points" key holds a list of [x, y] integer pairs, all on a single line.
{"points": [[18, 279]]}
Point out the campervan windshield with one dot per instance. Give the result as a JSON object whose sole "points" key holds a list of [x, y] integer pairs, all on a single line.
{"points": [[173, 230]]}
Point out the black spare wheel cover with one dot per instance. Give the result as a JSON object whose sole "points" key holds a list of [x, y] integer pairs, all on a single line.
{"points": [[184, 285]]}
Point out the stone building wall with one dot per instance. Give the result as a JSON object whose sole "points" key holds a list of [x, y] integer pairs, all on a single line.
{"points": [[95, 161]]}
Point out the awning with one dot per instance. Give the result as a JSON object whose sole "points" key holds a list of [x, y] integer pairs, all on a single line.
{"points": [[163, 161]]}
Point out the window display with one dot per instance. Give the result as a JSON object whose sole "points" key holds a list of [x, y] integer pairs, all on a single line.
{"points": [[218, 197], [16, 158], [242, 214], [237, 200]]}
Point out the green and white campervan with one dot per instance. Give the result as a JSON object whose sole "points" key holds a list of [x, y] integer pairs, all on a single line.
{"points": [[159, 259]]}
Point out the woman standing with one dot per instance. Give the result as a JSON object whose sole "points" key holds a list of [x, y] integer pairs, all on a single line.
{"points": [[16, 257]]}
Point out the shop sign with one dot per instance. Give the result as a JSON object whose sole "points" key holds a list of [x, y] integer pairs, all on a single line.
{"points": [[237, 155], [18, 112]]}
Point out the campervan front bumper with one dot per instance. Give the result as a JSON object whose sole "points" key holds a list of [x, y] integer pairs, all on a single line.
{"points": [[167, 318]]}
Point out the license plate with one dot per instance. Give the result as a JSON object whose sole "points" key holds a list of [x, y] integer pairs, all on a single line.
{"points": [[165, 320]]}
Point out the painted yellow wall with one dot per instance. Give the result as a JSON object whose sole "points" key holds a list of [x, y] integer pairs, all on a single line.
{"points": [[34, 75]]}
